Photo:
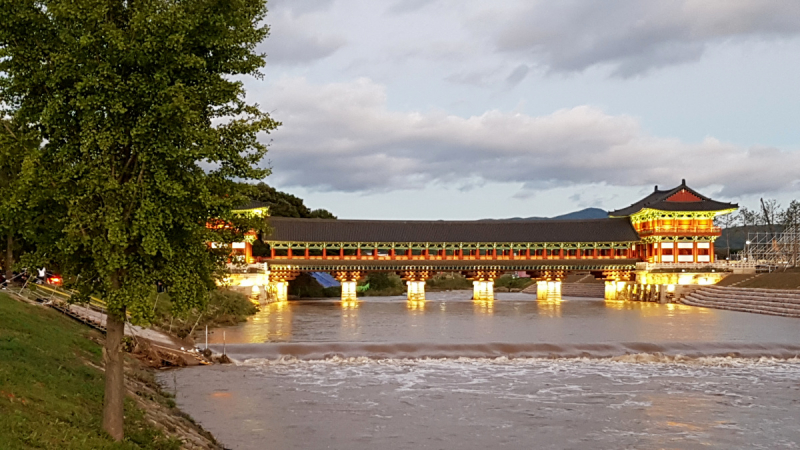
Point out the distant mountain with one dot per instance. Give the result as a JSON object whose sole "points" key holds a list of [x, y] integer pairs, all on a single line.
{"points": [[588, 213], [584, 214]]}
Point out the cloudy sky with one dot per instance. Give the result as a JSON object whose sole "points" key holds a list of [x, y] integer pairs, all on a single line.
{"points": [[466, 109]]}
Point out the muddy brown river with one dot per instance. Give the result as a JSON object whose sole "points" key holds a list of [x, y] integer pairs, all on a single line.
{"points": [[451, 373]]}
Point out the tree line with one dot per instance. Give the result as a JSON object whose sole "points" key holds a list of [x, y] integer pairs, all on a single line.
{"points": [[768, 217], [768, 214]]}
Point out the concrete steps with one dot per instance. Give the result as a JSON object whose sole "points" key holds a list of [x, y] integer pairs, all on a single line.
{"points": [[762, 301]]}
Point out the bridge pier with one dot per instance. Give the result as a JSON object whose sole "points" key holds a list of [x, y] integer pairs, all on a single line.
{"points": [[349, 280], [416, 290], [483, 284], [548, 290], [415, 284], [548, 284], [278, 291], [348, 290], [483, 290], [278, 285]]}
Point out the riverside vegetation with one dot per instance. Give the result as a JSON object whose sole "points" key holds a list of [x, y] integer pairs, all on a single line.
{"points": [[51, 389], [224, 307]]}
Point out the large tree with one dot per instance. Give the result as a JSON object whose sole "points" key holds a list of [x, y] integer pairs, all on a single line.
{"points": [[18, 160], [144, 122]]}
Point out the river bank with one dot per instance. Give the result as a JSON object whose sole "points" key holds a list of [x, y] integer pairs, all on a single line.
{"points": [[51, 389]]}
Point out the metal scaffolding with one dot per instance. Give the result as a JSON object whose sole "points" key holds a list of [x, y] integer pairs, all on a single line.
{"points": [[773, 249]]}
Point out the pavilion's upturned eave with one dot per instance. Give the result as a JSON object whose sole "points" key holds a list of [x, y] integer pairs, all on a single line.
{"points": [[659, 200]]}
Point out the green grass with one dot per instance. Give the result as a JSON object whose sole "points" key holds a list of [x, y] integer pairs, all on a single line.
{"points": [[50, 395]]}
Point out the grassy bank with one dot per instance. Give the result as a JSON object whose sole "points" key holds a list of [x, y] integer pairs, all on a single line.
{"points": [[789, 279], [51, 388]]}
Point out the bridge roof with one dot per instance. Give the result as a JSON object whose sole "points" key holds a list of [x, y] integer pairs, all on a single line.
{"points": [[331, 230], [681, 198], [466, 265]]}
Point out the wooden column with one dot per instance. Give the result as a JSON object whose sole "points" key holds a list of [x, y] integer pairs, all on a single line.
{"points": [[272, 252], [248, 252], [375, 253], [341, 252], [307, 253], [324, 252], [289, 252]]}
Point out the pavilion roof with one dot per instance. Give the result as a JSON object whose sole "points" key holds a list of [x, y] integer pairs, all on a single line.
{"points": [[680, 198], [334, 230]]}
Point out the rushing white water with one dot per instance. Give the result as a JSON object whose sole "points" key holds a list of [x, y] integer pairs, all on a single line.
{"points": [[330, 380]]}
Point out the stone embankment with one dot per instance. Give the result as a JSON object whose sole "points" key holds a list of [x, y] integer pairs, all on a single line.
{"points": [[777, 302]]}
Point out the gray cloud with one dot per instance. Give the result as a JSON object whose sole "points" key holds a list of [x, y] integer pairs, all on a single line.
{"points": [[517, 75], [296, 36], [631, 36], [406, 6], [342, 137]]}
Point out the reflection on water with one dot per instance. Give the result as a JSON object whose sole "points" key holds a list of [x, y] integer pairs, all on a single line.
{"points": [[350, 325], [550, 307], [416, 305], [273, 323], [349, 305], [484, 307], [451, 317]]}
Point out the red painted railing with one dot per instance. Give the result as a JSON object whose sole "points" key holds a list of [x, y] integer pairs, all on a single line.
{"points": [[691, 229]]}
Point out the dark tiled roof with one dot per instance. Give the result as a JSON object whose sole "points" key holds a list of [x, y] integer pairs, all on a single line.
{"points": [[466, 265], [325, 230], [658, 200], [252, 204]]}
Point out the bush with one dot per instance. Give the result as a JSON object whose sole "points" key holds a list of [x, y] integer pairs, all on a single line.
{"points": [[448, 281], [225, 307], [509, 281], [306, 286], [384, 284], [335, 291]]}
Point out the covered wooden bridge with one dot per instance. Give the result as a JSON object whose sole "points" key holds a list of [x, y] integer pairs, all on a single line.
{"points": [[674, 225]]}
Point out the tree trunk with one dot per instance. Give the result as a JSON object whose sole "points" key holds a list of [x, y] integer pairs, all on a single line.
{"points": [[9, 257], [114, 400]]}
